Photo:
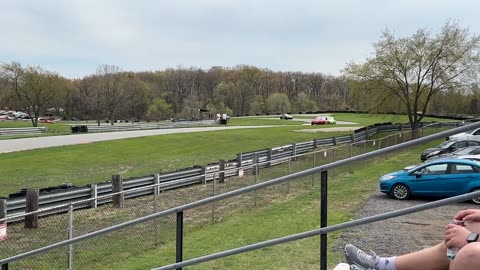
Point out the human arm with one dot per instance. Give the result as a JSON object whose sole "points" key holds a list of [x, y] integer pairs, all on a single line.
{"points": [[468, 215]]}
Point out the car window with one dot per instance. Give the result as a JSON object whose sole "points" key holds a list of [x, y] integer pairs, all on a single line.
{"points": [[477, 132], [434, 169], [475, 152], [460, 168], [459, 145], [473, 143]]}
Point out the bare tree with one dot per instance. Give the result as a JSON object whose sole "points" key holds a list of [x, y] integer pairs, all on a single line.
{"points": [[413, 69], [108, 86], [33, 88]]}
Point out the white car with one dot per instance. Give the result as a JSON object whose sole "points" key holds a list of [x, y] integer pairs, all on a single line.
{"points": [[470, 135], [286, 116]]}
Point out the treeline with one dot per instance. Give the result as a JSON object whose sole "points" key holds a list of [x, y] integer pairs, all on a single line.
{"points": [[111, 93]]}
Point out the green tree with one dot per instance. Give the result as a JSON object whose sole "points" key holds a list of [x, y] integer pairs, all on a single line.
{"points": [[413, 69], [278, 103], [159, 109], [303, 103]]}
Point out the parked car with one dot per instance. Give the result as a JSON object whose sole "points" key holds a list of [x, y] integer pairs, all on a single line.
{"points": [[319, 120], [439, 178], [330, 120], [286, 116], [469, 135], [470, 150], [447, 147]]}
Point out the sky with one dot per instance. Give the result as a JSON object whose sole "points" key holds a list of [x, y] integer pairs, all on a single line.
{"points": [[74, 37]]}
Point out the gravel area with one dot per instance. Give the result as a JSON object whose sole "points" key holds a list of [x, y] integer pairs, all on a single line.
{"points": [[399, 235]]}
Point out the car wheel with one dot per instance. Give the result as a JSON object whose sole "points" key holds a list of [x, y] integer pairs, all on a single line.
{"points": [[476, 200], [400, 192]]}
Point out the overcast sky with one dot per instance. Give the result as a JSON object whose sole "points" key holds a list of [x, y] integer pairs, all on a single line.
{"points": [[73, 37]]}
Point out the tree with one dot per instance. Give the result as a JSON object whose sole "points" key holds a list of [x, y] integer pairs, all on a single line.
{"points": [[33, 89], [303, 103], [108, 87], [138, 97], [278, 103], [159, 109], [414, 69]]}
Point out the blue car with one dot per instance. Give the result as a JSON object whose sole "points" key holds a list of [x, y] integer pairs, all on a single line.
{"points": [[442, 178]]}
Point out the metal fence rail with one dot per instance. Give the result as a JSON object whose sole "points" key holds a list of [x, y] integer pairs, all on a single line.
{"points": [[22, 131], [178, 211], [201, 174]]}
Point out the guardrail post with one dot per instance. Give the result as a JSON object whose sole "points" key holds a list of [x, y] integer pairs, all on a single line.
{"points": [[179, 238], [315, 143], [94, 195], [294, 151], [350, 163], [334, 140], [269, 157], [204, 175], [5, 266], [366, 133], [221, 168], [255, 164], [32, 198], [156, 182], [70, 236], [239, 160], [156, 191], [353, 137], [3, 210], [323, 219], [117, 186]]}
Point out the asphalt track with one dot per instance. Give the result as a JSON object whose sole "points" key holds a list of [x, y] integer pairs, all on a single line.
{"points": [[15, 145]]}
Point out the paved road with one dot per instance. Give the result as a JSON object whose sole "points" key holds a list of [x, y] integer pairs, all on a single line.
{"points": [[15, 145]]}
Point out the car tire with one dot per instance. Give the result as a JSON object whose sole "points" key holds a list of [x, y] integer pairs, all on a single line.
{"points": [[400, 192], [476, 200]]}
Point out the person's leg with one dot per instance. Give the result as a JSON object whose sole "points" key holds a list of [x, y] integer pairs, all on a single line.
{"points": [[467, 258], [429, 258], [432, 258]]}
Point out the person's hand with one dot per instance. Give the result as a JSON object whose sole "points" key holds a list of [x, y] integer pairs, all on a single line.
{"points": [[456, 236], [468, 215]]}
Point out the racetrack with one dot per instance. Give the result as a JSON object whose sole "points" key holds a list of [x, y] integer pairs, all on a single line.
{"points": [[15, 145]]}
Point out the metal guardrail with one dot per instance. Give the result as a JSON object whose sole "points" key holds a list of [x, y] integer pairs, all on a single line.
{"points": [[129, 127], [200, 174], [23, 131], [323, 169]]}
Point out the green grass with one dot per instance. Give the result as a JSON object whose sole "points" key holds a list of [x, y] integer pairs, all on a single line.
{"points": [[300, 213], [96, 162]]}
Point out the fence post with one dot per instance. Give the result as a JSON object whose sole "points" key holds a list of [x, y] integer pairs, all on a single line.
{"points": [[353, 137], [179, 238], [323, 219], [239, 160], [334, 140], [5, 266], [204, 175], [221, 168], [117, 186], [70, 236], [294, 151], [213, 194], [269, 157], [3, 210], [366, 133], [156, 191], [93, 195], [31, 221], [255, 164], [315, 143], [350, 163]]}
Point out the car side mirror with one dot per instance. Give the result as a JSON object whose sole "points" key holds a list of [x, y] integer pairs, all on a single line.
{"points": [[417, 174]]}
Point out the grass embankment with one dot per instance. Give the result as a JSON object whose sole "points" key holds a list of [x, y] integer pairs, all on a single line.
{"points": [[96, 162]]}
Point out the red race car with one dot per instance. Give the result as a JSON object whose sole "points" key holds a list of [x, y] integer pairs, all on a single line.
{"points": [[319, 120]]}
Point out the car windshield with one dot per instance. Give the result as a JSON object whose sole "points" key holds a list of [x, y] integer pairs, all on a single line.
{"points": [[446, 144], [465, 151]]}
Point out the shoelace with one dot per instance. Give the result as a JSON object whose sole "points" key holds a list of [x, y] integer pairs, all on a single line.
{"points": [[370, 260]]}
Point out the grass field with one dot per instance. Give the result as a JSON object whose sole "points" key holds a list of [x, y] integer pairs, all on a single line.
{"points": [[96, 162]]}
